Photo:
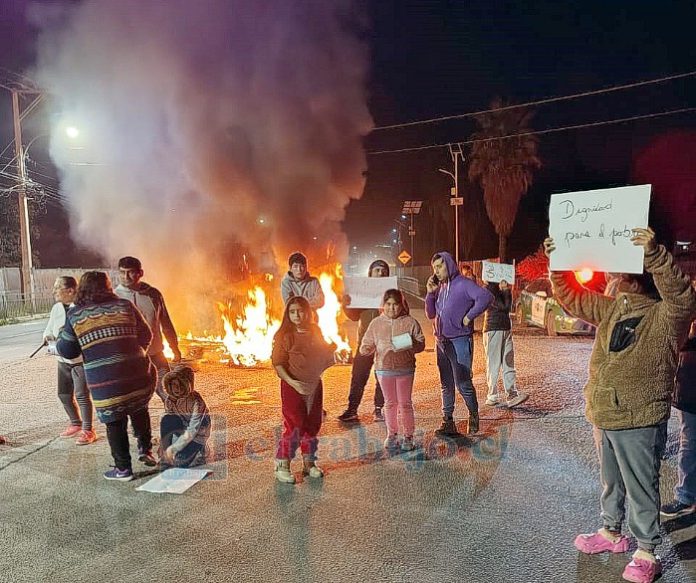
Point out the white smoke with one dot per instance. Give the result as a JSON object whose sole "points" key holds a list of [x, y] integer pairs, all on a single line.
{"points": [[207, 128]]}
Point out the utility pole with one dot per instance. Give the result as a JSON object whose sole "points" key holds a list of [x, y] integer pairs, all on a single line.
{"points": [[455, 200], [24, 231]]}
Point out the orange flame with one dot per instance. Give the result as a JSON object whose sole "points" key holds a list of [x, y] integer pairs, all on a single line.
{"points": [[328, 316]]}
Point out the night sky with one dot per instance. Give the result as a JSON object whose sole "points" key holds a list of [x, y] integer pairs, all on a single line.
{"points": [[435, 58]]}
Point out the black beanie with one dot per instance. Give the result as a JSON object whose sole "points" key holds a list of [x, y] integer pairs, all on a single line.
{"points": [[378, 263]]}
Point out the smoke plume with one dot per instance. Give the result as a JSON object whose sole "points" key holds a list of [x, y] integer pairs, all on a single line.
{"points": [[212, 134]]}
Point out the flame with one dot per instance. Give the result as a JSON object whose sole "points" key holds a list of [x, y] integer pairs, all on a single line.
{"points": [[328, 316], [168, 352], [248, 336], [250, 339]]}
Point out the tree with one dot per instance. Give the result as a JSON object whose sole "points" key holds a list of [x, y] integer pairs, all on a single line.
{"points": [[533, 266], [503, 166]]}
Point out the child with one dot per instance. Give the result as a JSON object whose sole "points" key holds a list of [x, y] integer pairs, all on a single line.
{"points": [[395, 337], [72, 385], [185, 426], [300, 356], [299, 283]]}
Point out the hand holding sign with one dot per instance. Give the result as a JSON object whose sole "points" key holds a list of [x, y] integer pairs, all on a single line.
{"points": [[595, 229]]}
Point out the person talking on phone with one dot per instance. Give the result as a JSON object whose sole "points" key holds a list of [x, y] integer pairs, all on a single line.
{"points": [[453, 302]]}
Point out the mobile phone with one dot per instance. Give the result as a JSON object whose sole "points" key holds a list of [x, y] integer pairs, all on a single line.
{"points": [[436, 281]]}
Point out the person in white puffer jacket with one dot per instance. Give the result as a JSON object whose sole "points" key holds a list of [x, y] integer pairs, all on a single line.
{"points": [[72, 385]]}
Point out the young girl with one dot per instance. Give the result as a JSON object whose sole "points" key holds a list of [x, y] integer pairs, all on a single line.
{"points": [[395, 337], [72, 385], [300, 356]]}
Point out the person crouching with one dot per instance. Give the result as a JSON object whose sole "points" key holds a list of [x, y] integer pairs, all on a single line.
{"points": [[185, 425]]}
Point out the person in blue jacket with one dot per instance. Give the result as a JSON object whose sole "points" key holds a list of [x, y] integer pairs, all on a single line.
{"points": [[453, 302]]}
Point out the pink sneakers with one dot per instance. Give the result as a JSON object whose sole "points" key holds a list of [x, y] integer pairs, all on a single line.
{"points": [[71, 430], [594, 543], [642, 570]]}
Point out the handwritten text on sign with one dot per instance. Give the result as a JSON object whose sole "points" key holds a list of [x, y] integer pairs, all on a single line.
{"points": [[497, 272], [367, 292], [593, 229]]}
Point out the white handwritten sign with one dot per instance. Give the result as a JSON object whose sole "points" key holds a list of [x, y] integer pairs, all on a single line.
{"points": [[592, 229], [497, 272], [367, 292]]}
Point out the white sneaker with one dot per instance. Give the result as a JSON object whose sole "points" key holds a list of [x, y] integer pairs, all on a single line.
{"points": [[492, 401], [313, 472], [407, 444], [283, 473], [392, 442], [516, 398]]}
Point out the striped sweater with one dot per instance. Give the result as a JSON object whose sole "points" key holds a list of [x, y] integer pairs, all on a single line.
{"points": [[112, 337]]}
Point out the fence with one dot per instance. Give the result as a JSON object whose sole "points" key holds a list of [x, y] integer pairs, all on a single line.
{"points": [[14, 305]]}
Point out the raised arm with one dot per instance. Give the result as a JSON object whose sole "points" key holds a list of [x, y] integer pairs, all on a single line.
{"points": [[578, 301]]}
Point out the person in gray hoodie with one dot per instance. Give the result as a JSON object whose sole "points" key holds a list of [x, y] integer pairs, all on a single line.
{"points": [[150, 303], [453, 302], [298, 283]]}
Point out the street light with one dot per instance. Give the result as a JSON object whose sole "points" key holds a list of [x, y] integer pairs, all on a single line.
{"points": [[72, 132], [411, 207], [456, 201]]}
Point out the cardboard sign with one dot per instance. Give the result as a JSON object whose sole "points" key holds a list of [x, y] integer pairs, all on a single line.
{"points": [[497, 272], [592, 229], [367, 292]]}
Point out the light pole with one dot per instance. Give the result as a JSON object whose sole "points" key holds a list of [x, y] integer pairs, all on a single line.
{"points": [[455, 200], [410, 208]]}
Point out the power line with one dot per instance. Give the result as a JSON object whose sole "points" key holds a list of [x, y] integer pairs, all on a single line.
{"points": [[538, 102], [536, 133]]}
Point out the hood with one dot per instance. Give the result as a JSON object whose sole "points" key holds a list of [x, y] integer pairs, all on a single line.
{"points": [[378, 262], [289, 275], [452, 269], [178, 383]]}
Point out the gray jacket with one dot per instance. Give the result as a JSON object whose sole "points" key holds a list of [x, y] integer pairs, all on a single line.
{"points": [[308, 287]]}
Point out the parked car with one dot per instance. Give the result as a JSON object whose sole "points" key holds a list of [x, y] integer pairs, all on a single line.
{"points": [[537, 307]]}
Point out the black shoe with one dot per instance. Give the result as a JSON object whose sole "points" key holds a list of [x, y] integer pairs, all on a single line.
{"points": [[378, 415], [348, 415], [676, 509], [473, 423], [448, 427]]}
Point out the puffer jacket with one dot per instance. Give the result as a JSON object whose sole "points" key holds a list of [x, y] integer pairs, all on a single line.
{"points": [[634, 357], [378, 340]]}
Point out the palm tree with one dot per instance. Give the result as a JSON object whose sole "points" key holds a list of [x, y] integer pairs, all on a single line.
{"points": [[503, 166]]}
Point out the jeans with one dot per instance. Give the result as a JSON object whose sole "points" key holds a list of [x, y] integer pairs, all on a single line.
{"points": [[685, 490], [360, 374], [397, 391], [72, 386], [172, 426], [160, 362], [117, 435], [454, 356], [629, 469]]}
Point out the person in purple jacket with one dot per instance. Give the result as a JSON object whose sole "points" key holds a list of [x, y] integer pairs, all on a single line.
{"points": [[453, 301]]}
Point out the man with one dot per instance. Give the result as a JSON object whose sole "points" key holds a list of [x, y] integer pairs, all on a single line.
{"points": [[497, 343], [453, 302], [685, 402], [151, 305], [629, 392], [362, 364], [298, 282]]}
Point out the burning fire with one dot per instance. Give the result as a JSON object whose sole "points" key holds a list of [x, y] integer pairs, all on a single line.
{"points": [[248, 338]]}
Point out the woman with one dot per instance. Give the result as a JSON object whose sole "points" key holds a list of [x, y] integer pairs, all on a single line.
{"points": [[71, 372], [112, 337]]}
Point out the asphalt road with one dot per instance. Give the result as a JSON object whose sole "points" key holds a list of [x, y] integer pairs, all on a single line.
{"points": [[502, 506]]}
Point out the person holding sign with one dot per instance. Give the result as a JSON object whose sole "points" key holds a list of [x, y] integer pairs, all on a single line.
{"points": [[497, 343], [395, 338], [362, 363], [453, 301], [629, 391]]}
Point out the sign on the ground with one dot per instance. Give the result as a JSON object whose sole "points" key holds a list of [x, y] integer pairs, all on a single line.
{"points": [[404, 257], [592, 229], [497, 272], [367, 292]]}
